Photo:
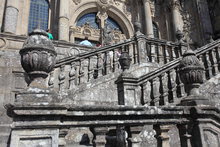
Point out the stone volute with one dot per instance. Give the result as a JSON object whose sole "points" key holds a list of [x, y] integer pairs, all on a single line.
{"points": [[38, 56], [191, 74]]}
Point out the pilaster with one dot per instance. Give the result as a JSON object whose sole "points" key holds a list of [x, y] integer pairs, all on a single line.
{"points": [[64, 20], [11, 16]]}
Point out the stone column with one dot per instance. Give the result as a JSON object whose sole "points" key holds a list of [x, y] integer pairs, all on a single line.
{"points": [[11, 16], [148, 19], [2, 8], [175, 16], [64, 20]]}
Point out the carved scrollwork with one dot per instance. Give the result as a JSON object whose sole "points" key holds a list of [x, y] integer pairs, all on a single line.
{"points": [[3, 43], [77, 1]]}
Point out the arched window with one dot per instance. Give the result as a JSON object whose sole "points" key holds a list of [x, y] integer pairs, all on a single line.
{"points": [[91, 19], [88, 18], [90, 25], [156, 31], [38, 15]]}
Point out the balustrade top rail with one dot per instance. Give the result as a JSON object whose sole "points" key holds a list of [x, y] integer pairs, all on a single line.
{"points": [[104, 49], [68, 60]]}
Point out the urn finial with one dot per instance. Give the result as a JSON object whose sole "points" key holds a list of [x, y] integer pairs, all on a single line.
{"points": [[125, 60], [191, 74], [38, 55], [191, 71]]}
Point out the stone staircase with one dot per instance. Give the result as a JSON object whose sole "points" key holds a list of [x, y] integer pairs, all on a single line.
{"points": [[89, 78], [136, 107], [102, 64]]}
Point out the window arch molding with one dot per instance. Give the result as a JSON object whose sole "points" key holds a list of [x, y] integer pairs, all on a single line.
{"points": [[113, 12]]}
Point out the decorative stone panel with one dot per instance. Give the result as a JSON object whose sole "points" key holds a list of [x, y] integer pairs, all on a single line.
{"points": [[35, 138]]}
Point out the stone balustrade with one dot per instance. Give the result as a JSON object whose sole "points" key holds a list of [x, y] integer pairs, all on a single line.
{"points": [[117, 126], [163, 86], [82, 68]]}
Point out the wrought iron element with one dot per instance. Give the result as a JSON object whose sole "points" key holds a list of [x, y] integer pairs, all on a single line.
{"points": [[38, 55], [191, 72], [125, 60]]}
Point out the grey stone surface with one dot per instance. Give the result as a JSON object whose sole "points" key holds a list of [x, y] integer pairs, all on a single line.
{"points": [[35, 138], [11, 17]]}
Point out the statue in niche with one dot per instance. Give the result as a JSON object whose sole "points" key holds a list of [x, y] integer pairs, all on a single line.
{"points": [[107, 35]]}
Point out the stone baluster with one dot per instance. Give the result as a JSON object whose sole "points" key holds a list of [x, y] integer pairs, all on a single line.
{"points": [[90, 68], [214, 62], [11, 16], [64, 20], [81, 72], [62, 135], [135, 52], [99, 65], [172, 85], [165, 53], [164, 89], [108, 56], [72, 76], [146, 91], [148, 19], [160, 54], [62, 78], [153, 52], [155, 93], [51, 80], [173, 54], [201, 57], [131, 52], [218, 56], [121, 136], [84, 67], [185, 135], [99, 136], [77, 73], [164, 136], [208, 66], [134, 139], [180, 86], [157, 48], [115, 61]]}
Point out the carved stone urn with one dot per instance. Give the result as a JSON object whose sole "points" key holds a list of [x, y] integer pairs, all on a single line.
{"points": [[191, 74], [38, 55], [125, 60]]}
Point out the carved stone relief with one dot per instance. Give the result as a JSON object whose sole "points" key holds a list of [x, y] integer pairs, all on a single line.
{"points": [[77, 1], [3, 43]]}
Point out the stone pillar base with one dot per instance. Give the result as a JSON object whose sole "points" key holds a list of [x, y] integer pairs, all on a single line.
{"points": [[195, 101]]}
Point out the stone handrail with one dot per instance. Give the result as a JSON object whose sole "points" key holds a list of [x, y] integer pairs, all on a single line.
{"points": [[163, 85], [72, 71]]}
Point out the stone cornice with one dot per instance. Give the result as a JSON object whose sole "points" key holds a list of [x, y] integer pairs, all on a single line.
{"points": [[66, 115]]}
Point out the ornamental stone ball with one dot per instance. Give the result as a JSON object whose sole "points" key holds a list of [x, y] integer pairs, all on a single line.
{"points": [[125, 60], [38, 55], [191, 72]]}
